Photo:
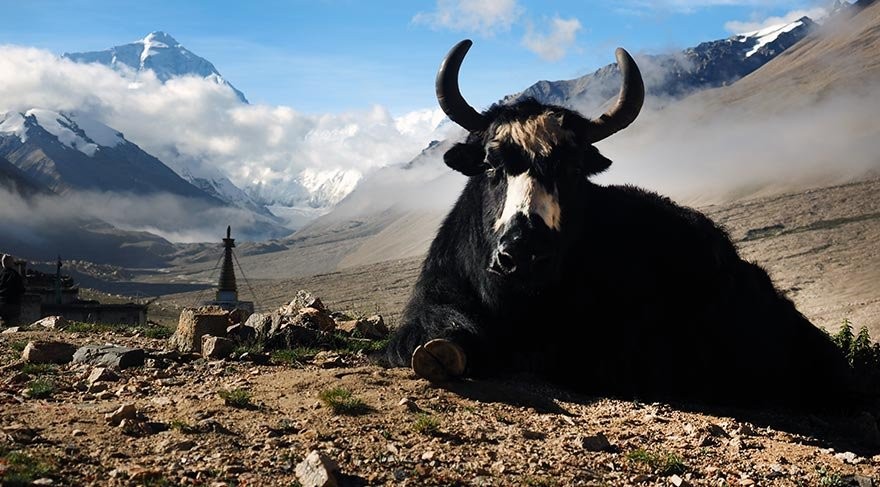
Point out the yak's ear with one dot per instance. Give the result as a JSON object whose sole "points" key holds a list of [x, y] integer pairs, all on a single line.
{"points": [[468, 159], [594, 162]]}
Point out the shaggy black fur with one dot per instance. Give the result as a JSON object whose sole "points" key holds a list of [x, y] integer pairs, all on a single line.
{"points": [[646, 297]]}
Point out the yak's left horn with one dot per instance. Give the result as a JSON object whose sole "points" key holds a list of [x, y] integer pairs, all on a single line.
{"points": [[449, 96], [629, 102]]}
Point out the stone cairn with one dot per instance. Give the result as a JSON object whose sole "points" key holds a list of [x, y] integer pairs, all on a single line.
{"points": [[304, 322]]}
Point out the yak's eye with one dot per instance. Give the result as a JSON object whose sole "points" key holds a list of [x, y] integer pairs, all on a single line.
{"points": [[493, 157]]}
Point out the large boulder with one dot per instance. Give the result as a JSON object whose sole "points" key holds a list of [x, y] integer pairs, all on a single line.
{"points": [[194, 323], [311, 318], [48, 352]]}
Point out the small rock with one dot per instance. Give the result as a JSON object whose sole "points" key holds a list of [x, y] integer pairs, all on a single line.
{"points": [[101, 374], [126, 411], [716, 430], [304, 299], [255, 358], [533, 435], [216, 347], [598, 442], [43, 481], [317, 470], [849, 457], [51, 323], [678, 481], [862, 481], [409, 404], [78, 433], [9, 331], [328, 360], [110, 356], [241, 333], [428, 456], [314, 319], [48, 352]]}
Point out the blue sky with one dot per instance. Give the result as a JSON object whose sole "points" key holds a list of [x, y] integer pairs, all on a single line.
{"points": [[336, 55]]}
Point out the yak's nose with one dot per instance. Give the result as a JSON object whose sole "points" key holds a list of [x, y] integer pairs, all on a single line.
{"points": [[516, 260]]}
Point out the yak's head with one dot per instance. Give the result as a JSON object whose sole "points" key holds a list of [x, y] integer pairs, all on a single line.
{"points": [[532, 162]]}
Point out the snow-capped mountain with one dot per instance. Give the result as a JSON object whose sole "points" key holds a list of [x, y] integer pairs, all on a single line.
{"points": [[68, 151], [707, 65], [160, 53], [310, 189]]}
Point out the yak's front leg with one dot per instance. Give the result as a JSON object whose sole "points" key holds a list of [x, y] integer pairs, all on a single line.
{"points": [[440, 343]]}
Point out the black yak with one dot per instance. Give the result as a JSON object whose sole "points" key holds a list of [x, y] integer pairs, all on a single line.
{"points": [[610, 289]]}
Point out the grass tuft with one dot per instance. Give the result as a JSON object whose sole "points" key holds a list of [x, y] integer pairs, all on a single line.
{"points": [[22, 469], [659, 463], [41, 388], [294, 356], [341, 401], [38, 369], [237, 398], [426, 424]]}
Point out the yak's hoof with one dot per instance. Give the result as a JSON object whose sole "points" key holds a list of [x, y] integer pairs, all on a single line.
{"points": [[439, 360]]}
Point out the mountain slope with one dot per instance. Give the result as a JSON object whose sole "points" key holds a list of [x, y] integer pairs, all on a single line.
{"points": [[708, 65], [160, 53], [68, 152], [13, 180]]}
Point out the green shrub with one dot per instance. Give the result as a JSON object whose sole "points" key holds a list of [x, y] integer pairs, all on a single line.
{"points": [[426, 424], [237, 398], [341, 401], [40, 388], [22, 469], [659, 463]]}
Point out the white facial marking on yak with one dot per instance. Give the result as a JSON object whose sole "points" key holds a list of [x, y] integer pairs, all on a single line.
{"points": [[527, 196]]}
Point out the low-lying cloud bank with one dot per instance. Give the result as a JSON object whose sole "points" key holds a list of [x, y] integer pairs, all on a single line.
{"points": [[199, 123]]}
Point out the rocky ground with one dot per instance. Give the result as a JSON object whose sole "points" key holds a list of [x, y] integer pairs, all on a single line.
{"points": [[181, 419]]}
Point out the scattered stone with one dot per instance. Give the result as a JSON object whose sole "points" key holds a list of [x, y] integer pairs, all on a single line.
{"points": [[19, 433], [51, 323], [317, 470], [197, 322], [314, 319], [533, 435], [598, 442], [78, 433], [328, 360], [373, 327], [849, 457], [303, 299], [110, 356], [48, 352], [261, 323], [716, 431], [101, 374], [9, 331], [43, 481], [126, 411], [255, 358], [241, 333], [678, 481], [409, 404], [862, 481], [216, 347]]}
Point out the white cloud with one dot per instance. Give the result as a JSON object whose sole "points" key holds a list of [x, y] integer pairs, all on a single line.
{"points": [[552, 45], [739, 27], [480, 16], [199, 123]]}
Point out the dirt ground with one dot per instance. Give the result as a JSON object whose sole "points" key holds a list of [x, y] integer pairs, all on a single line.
{"points": [[404, 431]]}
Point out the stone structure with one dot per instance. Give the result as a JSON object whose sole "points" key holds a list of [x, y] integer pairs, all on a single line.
{"points": [[227, 288]]}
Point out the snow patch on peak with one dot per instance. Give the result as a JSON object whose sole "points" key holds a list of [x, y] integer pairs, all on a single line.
{"points": [[767, 35], [13, 123]]}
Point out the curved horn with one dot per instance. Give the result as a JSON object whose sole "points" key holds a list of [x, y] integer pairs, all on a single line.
{"points": [[448, 94], [629, 102]]}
